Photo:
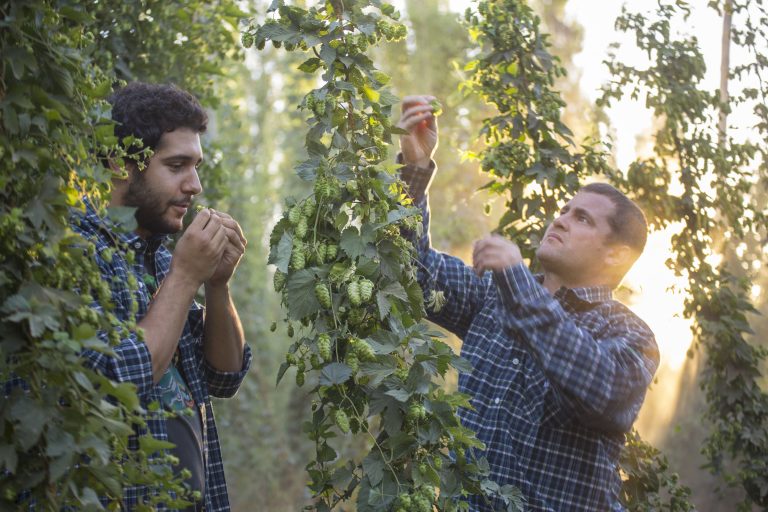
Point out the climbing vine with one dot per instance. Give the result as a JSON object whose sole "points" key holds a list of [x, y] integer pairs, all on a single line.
{"points": [[717, 208], [66, 430], [535, 165], [348, 282]]}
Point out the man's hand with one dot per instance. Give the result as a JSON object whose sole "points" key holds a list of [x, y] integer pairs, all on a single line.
{"points": [[200, 249], [419, 145], [494, 252], [233, 251]]}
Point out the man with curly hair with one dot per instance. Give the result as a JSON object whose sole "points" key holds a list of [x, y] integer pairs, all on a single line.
{"points": [[560, 368], [183, 353]]}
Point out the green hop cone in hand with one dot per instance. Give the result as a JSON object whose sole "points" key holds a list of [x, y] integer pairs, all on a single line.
{"points": [[437, 107]]}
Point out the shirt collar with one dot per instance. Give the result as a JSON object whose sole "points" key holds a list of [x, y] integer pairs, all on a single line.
{"points": [[583, 294]]}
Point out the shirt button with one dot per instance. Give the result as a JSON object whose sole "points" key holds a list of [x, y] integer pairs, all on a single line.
{"points": [[137, 245], [515, 361], [496, 400]]}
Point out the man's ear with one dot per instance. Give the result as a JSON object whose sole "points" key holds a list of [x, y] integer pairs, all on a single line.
{"points": [[620, 257]]}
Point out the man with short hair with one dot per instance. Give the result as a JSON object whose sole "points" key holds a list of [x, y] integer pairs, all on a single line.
{"points": [[187, 352], [560, 369]]}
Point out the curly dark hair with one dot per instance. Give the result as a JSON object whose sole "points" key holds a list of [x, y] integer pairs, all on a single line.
{"points": [[147, 111]]}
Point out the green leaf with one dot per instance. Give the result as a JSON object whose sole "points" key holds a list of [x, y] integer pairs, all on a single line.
{"points": [[310, 65], [335, 373], [300, 294], [373, 466], [352, 243], [282, 257]]}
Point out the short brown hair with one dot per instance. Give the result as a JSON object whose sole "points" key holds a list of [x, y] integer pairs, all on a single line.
{"points": [[628, 224]]}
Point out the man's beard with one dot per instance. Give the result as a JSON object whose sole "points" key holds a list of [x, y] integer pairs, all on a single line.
{"points": [[150, 209]]}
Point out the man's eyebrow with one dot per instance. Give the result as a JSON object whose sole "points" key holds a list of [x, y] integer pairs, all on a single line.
{"points": [[582, 211], [180, 158]]}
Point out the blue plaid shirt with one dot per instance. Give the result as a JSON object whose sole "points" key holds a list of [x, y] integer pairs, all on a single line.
{"points": [[557, 380], [133, 362]]}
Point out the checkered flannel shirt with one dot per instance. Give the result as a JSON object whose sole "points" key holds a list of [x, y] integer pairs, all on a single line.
{"points": [[557, 380], [133, 362]]}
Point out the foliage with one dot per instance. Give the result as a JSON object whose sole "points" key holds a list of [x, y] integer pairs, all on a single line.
{"points": [[646, 477], [348, 282], [54, 78], [533, 163], [529, 150], [716, 202]]}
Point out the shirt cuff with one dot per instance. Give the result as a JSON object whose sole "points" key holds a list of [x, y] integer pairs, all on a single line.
{"points": [[417, 179], [516, 284]]}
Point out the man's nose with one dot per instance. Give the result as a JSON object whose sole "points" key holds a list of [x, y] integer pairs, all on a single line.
{"points": [[192, 184], [559, 223]]}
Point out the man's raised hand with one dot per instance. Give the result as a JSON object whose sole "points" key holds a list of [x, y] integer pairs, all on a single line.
{"points": [[200, 249], [233, 251], [419, 120], [494, 252]]}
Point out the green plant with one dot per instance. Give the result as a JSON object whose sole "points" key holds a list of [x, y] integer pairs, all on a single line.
{"points": [[349, 282]]}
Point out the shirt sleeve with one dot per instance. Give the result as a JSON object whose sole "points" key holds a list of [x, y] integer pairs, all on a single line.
{"points": [[225, 384], [602, 380], [464, 292], [130, 361]]}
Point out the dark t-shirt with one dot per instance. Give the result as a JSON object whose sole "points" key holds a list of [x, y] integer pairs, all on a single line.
{"points": [[184, 429]]}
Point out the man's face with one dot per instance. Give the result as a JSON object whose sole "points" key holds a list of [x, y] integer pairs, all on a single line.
{"points": [[576, 243], [162, 192]]}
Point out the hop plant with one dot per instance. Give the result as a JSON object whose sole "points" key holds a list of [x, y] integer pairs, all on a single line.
{"points": [[301, 228], [323, 295], [278, 280], [366, 290], [331, 252], [309, 207], [294, 214], [298, 257], [324, 346], [353, 292], [352, 361], [364, 351], [342, 420]]}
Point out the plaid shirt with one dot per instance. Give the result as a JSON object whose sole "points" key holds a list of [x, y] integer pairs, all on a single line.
{"points": [[133, 361], [557, 380]]}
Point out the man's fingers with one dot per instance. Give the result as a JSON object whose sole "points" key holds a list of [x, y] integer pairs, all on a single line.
{"points": [[201, 219], [229, 222], [416, 99], [234, 238], [407, 123]]}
